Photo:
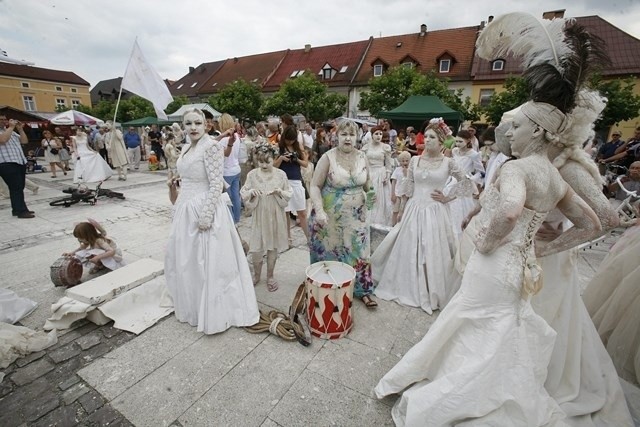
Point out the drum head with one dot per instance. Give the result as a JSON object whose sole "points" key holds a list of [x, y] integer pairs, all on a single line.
{"points": [[331, 274]]}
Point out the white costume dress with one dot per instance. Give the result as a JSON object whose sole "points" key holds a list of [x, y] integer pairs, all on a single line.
{"points": [[613, 300], [380, 169], [112, 263], [483, 362], [469, 163], [89, 166], [207, 271], [413, 265]]}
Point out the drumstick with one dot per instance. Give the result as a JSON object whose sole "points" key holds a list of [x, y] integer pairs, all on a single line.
{"points": [[328, 271]]}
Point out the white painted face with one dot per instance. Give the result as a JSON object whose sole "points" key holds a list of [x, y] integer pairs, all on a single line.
{"points": [[460, 142], [347, 139], [377, 136], [521, 134], [194, 126], [265, 163], [431, 141], [491, 144], [404, 162]]}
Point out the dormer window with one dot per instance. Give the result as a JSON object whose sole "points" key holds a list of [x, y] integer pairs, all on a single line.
{"points": [[407, 64], [377, 70], [328, 72], [498, 65], [445, 65]]}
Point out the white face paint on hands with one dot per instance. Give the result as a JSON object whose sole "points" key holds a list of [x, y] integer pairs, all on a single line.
{"points": [[194, 125]]}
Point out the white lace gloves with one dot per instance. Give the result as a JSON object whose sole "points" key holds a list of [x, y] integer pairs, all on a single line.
{"points": [[214, 164]]}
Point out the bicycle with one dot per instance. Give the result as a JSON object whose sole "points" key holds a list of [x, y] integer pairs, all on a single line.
{"points": [[82, 193], [627, 211]]}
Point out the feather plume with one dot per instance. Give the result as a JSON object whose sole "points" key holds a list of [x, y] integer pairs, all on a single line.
{"points": [[537, 41]]}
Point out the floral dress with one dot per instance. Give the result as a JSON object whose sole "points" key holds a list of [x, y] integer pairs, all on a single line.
{"points": [[345, 237]]}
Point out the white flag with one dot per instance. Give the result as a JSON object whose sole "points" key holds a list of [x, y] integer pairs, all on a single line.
{"points": [[141, 79]]}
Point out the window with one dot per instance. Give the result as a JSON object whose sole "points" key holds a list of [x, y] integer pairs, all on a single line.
{"points": [[194, 84], [407, 64], [301, 72], [75, 103], [74, 90], [377, 70], [58, 88], [61, 102], [344, 69], [445, 65], [29, 103], [293, 74], [498, 65], [214, 84], [26, 85], [328, 72], [180, 86], [485, 96]]}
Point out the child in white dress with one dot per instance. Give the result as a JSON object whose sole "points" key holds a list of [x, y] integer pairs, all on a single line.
{"points": [[398, 185], [266, 194], [96, 247]]}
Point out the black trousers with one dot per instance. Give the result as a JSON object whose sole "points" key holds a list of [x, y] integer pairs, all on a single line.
{"points": [[14, 175]]}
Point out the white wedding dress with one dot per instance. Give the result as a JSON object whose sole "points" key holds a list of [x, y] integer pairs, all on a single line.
{"points": [[207, 272], [89, 166], [413, 265], [484, 360]]}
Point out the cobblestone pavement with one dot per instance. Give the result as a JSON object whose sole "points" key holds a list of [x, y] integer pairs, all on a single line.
{"points": [[45, 389]]}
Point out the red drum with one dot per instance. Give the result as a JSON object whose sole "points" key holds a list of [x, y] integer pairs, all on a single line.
{"points": [[329, 288], [66, 271]]}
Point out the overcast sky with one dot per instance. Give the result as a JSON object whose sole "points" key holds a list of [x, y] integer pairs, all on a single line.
{"points": [[93, 38]]}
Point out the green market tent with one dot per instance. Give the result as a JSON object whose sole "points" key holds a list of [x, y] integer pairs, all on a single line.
{"points": [[147, 121], [417, 108]]}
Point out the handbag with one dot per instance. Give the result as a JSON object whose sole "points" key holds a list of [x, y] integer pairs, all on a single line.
{"points": [[52, 150]]}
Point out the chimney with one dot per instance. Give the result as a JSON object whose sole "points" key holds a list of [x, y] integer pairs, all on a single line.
{"points": [[307, 48], [490, 19], [482, 24], [423, 30], [235, 59], [553, 14], [191, 70]]}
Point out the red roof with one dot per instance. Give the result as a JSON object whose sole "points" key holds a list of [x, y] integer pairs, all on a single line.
{"points": [[253, 69], [459, 43], [342, 58], [622, 48], [36, 73], [190, 84]]}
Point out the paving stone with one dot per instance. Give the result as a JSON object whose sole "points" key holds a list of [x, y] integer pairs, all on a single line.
{"points": [[110, 331], [89, 340], [120, 422], [72, 394], [68, 383], [65, 339], [103, 417], [23, 361], [64, 416], [6, 387], [86, 327], [64, 353], [64, 371], [97, 351], [91, 401], [11, 405], [31, 372], [42, 404]]}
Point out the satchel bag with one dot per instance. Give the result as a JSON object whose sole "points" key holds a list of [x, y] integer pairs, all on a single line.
{"points": [[52, 150]]}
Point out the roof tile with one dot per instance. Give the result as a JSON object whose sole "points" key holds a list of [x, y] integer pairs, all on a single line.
{"points": [[46, 74]]}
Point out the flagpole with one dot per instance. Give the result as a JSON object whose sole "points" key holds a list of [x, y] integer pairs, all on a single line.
{"points": [[115, 114]]}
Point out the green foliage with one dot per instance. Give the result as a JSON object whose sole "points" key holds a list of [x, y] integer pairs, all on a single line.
{"points": [[104, 110], [622, 103], [516, 93], [394, 87], [240, 99], [178, 101], [307, 96]]}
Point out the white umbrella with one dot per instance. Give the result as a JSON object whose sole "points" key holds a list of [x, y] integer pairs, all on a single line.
{"points": [[73, 117]]}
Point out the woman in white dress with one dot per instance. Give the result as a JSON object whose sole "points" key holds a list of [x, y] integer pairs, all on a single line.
{"points": [[206, 269], [413, 265], [483, 362], [89, 166], [380, 167]]}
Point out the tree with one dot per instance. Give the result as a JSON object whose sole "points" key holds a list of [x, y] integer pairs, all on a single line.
{"points": [[240, 99], [622, 103], [134, 108], [516, 92], [178, 101], [307, 96], [394, 87]]}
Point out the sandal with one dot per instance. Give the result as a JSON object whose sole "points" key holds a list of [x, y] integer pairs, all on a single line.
{"points": [[272, 285], [369, 302]]}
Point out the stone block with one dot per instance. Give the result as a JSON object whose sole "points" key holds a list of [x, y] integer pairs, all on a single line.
{"points": [[40, 405], [314, 400], [72, 394], [89, 340], [114, 283], [104, 416], [31, 372], [64, 416], [91, 401], [68, 383], [23, 361], [64, 353]]}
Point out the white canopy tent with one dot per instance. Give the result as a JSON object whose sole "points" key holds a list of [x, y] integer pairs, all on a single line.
{"points": [[177, 116]]}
